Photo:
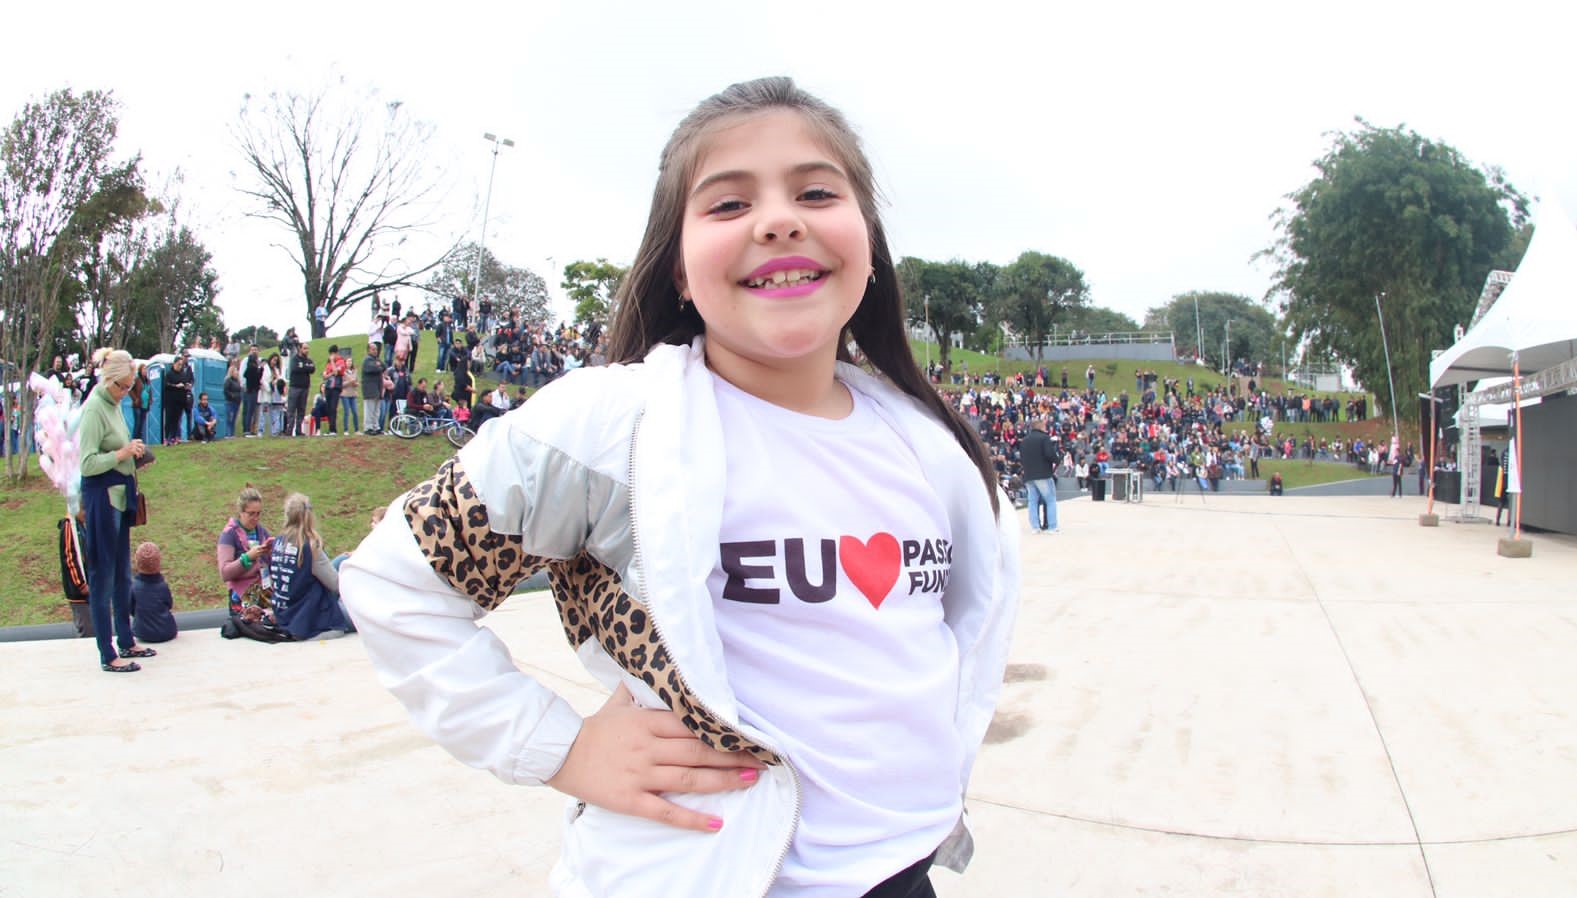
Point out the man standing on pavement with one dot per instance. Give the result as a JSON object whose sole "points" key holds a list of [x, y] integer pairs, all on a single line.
{"points": [[1038, 456], [301, 370]]}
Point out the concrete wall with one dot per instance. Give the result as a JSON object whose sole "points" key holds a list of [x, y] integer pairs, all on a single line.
{"points": [[1140, 352]]}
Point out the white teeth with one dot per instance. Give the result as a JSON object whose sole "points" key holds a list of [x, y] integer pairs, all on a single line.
{"points": [[785, 278]]}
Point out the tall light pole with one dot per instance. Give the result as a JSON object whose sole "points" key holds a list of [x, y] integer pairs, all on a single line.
{"points": [[481, 243], [1226, 351], [1396, 429], [1199, 333]]}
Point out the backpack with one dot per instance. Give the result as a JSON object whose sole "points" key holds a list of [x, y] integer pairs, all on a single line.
{"points": [[73, 571], [262, 630]]}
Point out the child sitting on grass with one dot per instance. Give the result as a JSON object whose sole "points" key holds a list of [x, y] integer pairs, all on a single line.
{"points": [[151, 604]]}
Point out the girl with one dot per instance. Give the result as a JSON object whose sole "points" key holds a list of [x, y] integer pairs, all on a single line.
{"points": [[791, 572], [274, 383], [306, 585]]}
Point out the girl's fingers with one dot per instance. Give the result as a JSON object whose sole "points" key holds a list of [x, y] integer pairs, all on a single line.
{"points": [[663, 811], [700, 779], [688, 751]]}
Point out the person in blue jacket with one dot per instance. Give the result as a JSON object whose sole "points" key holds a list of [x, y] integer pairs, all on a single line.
{"points": [[152, 606], [306, 585]]}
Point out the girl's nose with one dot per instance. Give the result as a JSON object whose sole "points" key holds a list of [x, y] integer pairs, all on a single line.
{"points": [[779, 220]]}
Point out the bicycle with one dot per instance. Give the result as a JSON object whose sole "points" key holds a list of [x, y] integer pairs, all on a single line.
{"points": [[407, 426]]}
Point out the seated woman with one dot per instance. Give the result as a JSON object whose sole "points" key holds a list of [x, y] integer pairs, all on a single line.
{"points": [[306, 586], [243, 551]]}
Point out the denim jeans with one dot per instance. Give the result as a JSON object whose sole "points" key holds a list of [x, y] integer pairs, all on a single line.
{"points": [[109, 588], [249, 412], [1042, 494], [443, 356]]}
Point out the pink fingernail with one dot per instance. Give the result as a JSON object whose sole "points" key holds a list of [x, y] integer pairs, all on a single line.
{"points": [[714, 823], [750, 774]]}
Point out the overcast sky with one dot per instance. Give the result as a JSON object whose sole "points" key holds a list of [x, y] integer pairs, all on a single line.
{"points": [[1149, 145]]}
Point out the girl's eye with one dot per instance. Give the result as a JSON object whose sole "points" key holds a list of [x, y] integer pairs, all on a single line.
{"points": [[725, 207], [818, 194]]}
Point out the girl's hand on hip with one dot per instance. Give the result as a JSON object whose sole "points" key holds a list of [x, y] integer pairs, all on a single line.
{"points": [[625, 755]]}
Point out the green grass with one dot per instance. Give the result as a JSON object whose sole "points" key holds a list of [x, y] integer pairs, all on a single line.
{"points": [[1111, 375], [191, 493], [1299, 472]]}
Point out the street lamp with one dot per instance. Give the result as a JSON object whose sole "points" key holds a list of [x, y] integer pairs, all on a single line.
{"points": [[1199, 333], [1395, 428], [1226, 351], [481, 243]]}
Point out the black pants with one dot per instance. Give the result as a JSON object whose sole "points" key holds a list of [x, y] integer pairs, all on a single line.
{"points": [[295, 410], [913, 881], [173, 412], [331, 398]]}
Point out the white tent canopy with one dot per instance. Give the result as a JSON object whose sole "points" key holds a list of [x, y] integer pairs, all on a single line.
{"points": [[1535, 317]]}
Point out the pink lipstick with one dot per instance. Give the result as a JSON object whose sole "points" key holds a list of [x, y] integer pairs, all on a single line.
{"points": [[785, 278]]}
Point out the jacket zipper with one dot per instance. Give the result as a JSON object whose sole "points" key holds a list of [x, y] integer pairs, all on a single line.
{"points": [[651, 613]]}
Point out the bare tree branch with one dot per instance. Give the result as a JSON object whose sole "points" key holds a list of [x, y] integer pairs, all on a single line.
{"points": [[347, 186]]}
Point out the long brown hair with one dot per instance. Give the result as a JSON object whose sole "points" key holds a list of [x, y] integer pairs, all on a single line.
{"points": [[647, 310]]}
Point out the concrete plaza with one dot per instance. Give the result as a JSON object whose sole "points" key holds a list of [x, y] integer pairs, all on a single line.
{"points": [[1240, 696]]}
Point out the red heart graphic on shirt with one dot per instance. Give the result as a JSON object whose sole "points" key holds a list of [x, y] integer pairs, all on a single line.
{"points": [[872, 566]]}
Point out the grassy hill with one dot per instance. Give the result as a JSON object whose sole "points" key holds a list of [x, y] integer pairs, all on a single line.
{"points": [[191, 493], [1114, 376]]}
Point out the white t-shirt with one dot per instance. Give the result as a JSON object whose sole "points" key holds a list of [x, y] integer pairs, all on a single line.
{"points": [[832, 560]]}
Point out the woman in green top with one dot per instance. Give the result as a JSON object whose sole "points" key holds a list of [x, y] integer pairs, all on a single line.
{"points": [[109, 491]]}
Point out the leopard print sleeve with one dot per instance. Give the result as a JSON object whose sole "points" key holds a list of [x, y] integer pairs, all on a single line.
{"points": [[450, 524]]}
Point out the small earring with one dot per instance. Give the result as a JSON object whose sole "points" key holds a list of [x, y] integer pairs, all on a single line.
{"points": [[873, 275], [683, 301]]}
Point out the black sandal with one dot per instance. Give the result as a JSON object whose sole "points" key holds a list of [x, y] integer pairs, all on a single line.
{"points": [[137, 653], [124, 668]]}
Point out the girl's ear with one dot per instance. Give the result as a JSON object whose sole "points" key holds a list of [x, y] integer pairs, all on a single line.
{"points": [[681, 284]]}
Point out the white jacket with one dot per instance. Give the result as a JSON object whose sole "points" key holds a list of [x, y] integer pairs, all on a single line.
{"points": [[611, 478]]}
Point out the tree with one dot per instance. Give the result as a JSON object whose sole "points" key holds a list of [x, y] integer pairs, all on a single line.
{"points": [[112, 229], [1256, 335], [1395, 216], [53, 157], [264, 336], [511, 289], [592, 286], [347, 183], [173, 295], [1098, 320], [945, 296], [1034, 291]]}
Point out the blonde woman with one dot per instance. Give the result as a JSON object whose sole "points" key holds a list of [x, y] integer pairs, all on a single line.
{"points": [[306, 585], [109, 496]]}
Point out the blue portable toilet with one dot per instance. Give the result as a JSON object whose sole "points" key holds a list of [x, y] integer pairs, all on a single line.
{"points": [[208, 376], [157, 365]]}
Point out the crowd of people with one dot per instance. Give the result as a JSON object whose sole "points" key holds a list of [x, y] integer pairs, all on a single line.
{"points": [[279, 391], [286, 395], [1173, 430]]}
